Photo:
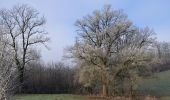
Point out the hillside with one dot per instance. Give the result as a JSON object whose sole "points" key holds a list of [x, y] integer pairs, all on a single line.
{"points": [[158, 85]]}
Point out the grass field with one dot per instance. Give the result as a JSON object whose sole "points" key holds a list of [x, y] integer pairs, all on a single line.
{"points": [[63, 97], [49, 97], [158, 86]]}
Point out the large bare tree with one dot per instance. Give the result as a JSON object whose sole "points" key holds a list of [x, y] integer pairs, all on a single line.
{"points": [[101, 37], [24, 29]]}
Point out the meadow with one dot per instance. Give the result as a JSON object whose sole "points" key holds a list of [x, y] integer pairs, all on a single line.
{"points": [[68, 97], [49, 97], [157, 85]]}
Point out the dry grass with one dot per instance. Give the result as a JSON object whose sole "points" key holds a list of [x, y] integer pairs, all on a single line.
{"points": [[121, 98]]}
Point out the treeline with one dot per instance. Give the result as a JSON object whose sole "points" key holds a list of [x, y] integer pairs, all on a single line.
{"points": [[163, 54], [49, 78], [61, 78]]}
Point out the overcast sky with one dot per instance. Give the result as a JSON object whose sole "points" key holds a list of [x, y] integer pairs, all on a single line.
{"points": [[62, 14]]}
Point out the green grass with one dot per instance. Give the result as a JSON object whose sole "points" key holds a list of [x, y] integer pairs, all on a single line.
{"points": [[158, 86], [164, 98], [49, 97], [60, 97]]}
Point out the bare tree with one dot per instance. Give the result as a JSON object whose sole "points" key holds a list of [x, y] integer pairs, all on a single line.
{"points": [[7, 70], [101, 37], [98, 34], [24, 29]]}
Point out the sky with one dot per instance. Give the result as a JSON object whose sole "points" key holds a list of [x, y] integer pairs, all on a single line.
{"points": [[62, 14]]}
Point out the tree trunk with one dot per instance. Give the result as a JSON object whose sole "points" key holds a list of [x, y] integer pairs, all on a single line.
{"points": [[114, 88], [21, 79], [104, 90], [21, 76]]}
